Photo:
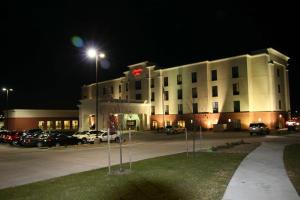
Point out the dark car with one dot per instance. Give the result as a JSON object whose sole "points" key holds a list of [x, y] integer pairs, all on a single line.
{"points": [[258, 128], [58, 139], [30, 137]]}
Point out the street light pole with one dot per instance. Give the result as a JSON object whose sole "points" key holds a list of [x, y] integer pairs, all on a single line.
{"points": [[97, 88], [7, 91]]}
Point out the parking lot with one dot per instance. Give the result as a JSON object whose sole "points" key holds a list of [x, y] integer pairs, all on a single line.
{"points": [[25, 165]]}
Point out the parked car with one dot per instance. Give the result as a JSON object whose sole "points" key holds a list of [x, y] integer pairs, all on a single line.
{"points": [[258, 129], [3, 134], [31, 137], [174, 129], [114, 136], [13, 137], [57, 139], [88, 136]]}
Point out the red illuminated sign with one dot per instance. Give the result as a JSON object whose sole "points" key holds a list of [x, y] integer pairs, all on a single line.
{"points": [[137, 72]]}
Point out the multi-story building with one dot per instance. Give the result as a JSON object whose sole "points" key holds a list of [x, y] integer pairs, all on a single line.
{"points": [[234, 91]]}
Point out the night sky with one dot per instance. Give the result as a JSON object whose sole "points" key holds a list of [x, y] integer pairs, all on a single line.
{"points": [[39, 61]]}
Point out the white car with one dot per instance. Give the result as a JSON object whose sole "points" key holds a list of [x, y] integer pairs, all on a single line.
{"points": [[114, 136], [88, 136]]}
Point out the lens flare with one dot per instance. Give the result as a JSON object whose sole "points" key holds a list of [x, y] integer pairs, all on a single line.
{"points": [[77, 41]]}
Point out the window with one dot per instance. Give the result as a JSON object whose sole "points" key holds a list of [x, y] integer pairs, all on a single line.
{"points": [[152, 96], [41, 124], [214, 75], [179, 94], [278, 88], [50, 124], [126, 96], [104, 90], [278, 72], [120, 88], [152, 110], [195, 108], [126, 86], [181, 123], [67, 124], [214, 91], [74, 124], [180, 109], [215, 107], [166, 81], [138, 85], [236, 106], [194, 93], [279, 104], [166, 95], [152, 83], [179, 79], [194, 77], [166, 109], [235, 72], [111, 89], [138, 96], [58, 125], [235, 89]]}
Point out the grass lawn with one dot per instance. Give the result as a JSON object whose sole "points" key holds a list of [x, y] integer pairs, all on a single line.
{"points": [[292, 164], [170, 177]]}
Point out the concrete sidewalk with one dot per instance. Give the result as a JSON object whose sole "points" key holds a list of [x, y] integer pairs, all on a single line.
{"points": [[262, 176]]}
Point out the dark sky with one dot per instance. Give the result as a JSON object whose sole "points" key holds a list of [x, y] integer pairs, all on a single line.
{"points": [[39, 61]]}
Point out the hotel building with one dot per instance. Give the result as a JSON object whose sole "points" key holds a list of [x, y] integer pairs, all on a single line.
{"points": [[232, 91]]}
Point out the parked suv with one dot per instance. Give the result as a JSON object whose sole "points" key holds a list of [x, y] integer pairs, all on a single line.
{"points": [[258, 129]]}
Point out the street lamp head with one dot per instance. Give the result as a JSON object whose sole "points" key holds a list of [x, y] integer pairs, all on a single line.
{"points": [[4, 89], [102, 55], [92, 53], [11, 90]]}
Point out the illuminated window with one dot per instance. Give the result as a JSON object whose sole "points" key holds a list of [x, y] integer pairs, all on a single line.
{"points": [[235, 89], [58, 125], [50, 124], [74, 124], [138, 85], [194, 93], [235, 72], [154, 124], [194, 77], [179, 79], [166, 109], [92, 121], [236, 106], [195, 108], [166, 81], [179, 94], [67, 124], [214, 91], [180, 109], [181, 123], [41, 124], [214, 75]]}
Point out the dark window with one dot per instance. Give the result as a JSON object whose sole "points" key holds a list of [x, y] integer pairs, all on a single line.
{"points": [[138, 96], [166, 95], [235, 89], [152, 96], [236, 106], [180, 109], [278, 72], [194, 77], [179, 94], [194, 93], [235, 72], [179, 79], [215, 107], [138, 85], [126, 86], [279, 104], [152, 110], [166, 109], [214, 91], [152, 83], [120, 88], [195, 108], [214, 75], [278, 88], [112, 89], [166, 81], [104, 90], [126, 96]]}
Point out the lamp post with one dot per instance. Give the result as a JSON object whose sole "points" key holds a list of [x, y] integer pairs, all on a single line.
{"points": [[7, 90], [93, 53]]}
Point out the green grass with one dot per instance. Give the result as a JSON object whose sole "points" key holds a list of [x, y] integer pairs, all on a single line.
{"points": [[292, 164], [171, 177]]}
